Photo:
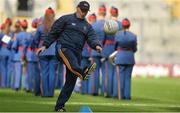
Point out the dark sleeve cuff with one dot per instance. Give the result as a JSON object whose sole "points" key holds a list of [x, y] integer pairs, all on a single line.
{"points": [[97, 45], [45, 44]]}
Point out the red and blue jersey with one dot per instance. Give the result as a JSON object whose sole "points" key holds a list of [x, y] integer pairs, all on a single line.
{"points": [[126, 45], [19, 45]]}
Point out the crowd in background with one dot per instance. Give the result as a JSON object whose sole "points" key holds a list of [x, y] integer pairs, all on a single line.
{"points": [[21, 67]]}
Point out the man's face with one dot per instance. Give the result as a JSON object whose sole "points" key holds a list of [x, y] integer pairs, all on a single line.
{"points": [[82, 13]]}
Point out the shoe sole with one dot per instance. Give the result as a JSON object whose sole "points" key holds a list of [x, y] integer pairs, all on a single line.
{"points": [[91, 69]]}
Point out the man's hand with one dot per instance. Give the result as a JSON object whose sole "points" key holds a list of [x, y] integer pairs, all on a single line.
{"points": [[40, 50], [98, 49]]}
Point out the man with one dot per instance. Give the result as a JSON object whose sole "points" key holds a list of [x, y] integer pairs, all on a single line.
{"points": [[71, 32]]}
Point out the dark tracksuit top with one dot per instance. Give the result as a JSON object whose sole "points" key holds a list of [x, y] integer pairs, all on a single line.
{"points": [[72, 32]]}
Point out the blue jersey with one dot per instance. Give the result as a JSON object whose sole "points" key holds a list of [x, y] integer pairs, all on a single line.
{"points": [[19, 45], [98, 27], [31, 48], [126, 45]]}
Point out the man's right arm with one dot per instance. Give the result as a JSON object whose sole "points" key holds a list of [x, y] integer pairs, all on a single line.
{"points": [[55, 31]]}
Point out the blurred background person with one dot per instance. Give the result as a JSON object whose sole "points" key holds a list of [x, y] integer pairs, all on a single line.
{"points": [[19, 56], [107, 67], [30, 58], [98, 27], [126, 45], [33, 61], [27, 79], [1, 36], [86, 54], [17, 29], [6, 66], [112, 80], [48, 61]]}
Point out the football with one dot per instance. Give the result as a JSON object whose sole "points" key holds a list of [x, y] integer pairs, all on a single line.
{"points": [[110, 27]]}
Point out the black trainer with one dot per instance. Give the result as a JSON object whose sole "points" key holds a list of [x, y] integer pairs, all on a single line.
{"points": [[89, 70]]}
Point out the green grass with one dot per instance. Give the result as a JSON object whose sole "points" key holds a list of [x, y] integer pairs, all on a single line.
{"points": [[160, 94]]}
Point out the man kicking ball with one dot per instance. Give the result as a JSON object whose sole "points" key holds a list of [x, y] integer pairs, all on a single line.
{"points": [[71, 32]]}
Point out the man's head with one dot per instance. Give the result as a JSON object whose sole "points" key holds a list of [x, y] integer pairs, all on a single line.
{"points": [[82, 9]]}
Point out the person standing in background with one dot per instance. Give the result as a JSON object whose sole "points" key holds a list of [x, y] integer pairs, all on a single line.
{"points": [[47, 60], [35, 59], [19, 57], [107, 67], [126, 45], [33, 73], [98, 27], [17, 29], [113, 80], [25, 75], [1, 36], [86, 54], [6, 66]]}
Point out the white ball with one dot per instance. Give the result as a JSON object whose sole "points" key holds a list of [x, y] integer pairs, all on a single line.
{"points": [[111, 27]]}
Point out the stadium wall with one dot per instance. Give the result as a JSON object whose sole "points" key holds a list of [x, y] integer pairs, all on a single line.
{"points": [[156, 70]]}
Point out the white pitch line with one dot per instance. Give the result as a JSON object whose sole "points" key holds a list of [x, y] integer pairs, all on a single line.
{"points": [[105, 104], [114, 104], [123, 104]]}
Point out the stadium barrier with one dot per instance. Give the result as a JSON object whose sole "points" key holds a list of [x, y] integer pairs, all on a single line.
{"points": [[156, 70]]}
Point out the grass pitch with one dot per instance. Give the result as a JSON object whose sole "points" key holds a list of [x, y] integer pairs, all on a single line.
{"points": [[148, 94]]}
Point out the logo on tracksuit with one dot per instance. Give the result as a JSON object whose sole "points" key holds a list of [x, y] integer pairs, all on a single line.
{"points": [[74, 24], [84, 28]]}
